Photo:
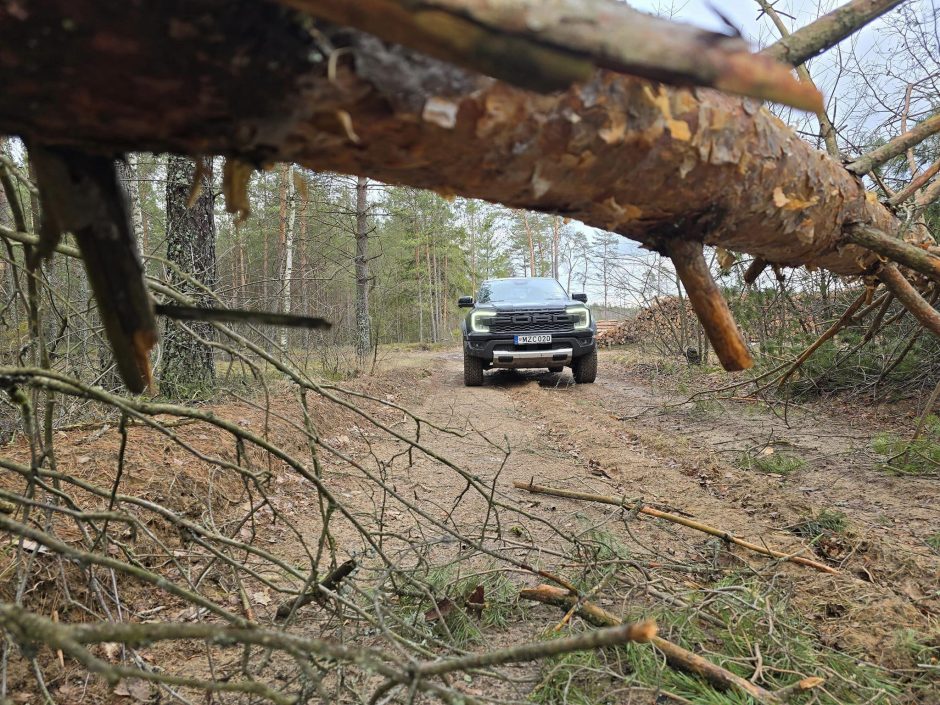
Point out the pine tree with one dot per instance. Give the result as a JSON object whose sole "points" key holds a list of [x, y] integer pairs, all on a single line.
{"points": [[188, 367]]}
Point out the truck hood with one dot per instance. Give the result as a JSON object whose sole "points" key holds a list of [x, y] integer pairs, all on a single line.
{"points": [[506, 307]]}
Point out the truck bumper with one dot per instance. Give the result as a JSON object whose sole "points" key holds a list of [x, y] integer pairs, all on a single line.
{"points": [[531, 358], [500, 351]]}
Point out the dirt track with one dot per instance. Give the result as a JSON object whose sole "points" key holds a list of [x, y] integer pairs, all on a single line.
{"points": [[616, 438]]}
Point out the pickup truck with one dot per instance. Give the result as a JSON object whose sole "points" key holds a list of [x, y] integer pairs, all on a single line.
{"points": [[527, 322]]}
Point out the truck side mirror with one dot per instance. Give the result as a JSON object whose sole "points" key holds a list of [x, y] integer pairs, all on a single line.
{"points": [[465, 302], [580, 297]]}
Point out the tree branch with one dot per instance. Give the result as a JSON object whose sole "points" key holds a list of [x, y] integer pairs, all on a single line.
{"points": [[548, 44], [910, 298], [698, 526], [678, 657], [828, 30], [901, 196], [709, 305], [899, 145], [825, 124], [894, 248]]}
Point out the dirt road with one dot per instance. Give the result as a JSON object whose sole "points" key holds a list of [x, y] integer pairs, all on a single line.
{"points": [[623, 436]]}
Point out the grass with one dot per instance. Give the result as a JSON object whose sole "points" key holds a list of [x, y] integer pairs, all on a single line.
{"points": [[772, 463], [707, 408], [907, 457], [919, 648], [826, 523], [934, 541], [463, 624]]}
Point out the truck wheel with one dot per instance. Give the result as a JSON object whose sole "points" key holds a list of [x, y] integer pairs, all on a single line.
{"points": [[584, 368], [557, 368], [472, 371]]}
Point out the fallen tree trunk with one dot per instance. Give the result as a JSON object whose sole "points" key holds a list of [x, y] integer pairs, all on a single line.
{"points": [[250, 80]]}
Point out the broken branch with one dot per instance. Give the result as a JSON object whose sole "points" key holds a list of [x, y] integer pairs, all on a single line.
{"points": [[535, 44], [755, 269], [678, 657], [644, 509], [709, 305], [910, 298], [331, 582]]}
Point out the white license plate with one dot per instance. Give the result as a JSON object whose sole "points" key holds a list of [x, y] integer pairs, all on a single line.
{"points": [[532, 339]]}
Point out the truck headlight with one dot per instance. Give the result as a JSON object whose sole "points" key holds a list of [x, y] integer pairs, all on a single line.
{"points": [[480, 321], [580, 316]]}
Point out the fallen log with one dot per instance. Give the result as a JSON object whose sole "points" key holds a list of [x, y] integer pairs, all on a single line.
{"points": [[702, 165], [678, 657], [627, 503]]}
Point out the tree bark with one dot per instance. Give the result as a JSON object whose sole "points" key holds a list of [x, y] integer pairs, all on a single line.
{"points": [[288, 226], [701, 165], [528, 232], [188, 367], [363, 324], [556, 239]]}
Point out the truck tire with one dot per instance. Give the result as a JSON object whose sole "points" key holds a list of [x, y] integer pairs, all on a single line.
{"points": [[584, 368], [557, 368], [472, 371]]}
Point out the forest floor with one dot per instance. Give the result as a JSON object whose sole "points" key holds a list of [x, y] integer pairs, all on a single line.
{"points": [[809, 484]]}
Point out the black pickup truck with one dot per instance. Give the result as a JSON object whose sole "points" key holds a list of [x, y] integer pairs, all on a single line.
{"points": [[527, 322]]}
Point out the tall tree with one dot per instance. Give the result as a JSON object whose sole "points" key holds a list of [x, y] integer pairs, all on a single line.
{"points": [[363, 324], [556, 242], [288, 218], [188, 368]]}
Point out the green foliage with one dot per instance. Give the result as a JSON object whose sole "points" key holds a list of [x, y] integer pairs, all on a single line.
{"points": [[787, 647], [825, 523], [776, 463], [919, 648], [464, 622], [911, 457]]}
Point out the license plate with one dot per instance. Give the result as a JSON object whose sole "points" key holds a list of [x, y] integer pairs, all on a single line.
{"points": [[532, 339]]}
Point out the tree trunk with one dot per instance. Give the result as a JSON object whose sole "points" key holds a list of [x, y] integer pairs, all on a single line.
{"points": [[556, 239], [130, 178], [528, 232], [288, 252], [363, 324], [188, 368], [420, 296]]}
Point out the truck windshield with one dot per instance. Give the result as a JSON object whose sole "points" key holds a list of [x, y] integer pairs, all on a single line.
{"points": [[521, 290]]}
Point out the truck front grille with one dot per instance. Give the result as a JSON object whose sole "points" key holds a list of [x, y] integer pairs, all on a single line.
{"points": [[534, 322]]}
